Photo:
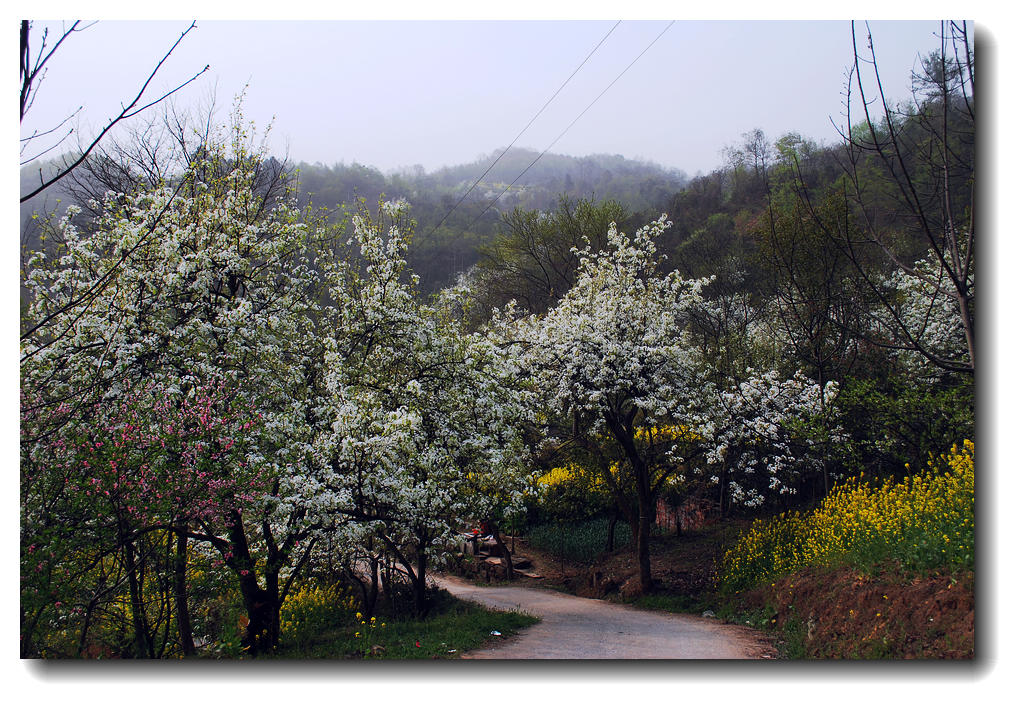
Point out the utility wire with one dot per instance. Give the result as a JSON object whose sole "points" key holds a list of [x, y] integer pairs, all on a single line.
{"points": [[585, 60], [494, 201]]}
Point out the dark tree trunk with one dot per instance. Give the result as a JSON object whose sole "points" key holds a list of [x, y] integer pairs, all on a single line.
{"points": [[83, 639], [274, 600], [369, 583], [643, 537], [621, 426], [419, 584], [643, 554], [143, 645], [609, 545], [262, 606], [188, 647], [373, 588], [28, 632]]}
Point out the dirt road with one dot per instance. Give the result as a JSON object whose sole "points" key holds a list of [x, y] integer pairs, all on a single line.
{"points": [[573, 628]]}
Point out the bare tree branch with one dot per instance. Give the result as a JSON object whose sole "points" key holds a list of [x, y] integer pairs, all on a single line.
{"points": [[128, 111]]}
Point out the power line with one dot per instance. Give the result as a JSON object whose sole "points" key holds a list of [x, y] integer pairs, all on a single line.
{"points": [[587, 58], [544, 152]]}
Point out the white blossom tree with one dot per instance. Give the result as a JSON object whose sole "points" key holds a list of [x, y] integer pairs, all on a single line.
{"points": [[196, 285], [926, 314], [764, 435], [424, 419], [614, 357]]}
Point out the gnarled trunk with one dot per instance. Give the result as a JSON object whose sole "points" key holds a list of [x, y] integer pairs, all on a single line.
{"points": [[260, 633], [262, 605]]}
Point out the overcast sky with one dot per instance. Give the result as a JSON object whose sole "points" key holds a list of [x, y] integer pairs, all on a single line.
{"points": [[399, 93]]}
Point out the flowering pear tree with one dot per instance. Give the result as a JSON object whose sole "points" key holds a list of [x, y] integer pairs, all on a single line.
{"points": [[615, 358], [197, 285], [928, 312], [763, 435], [423, 418]]}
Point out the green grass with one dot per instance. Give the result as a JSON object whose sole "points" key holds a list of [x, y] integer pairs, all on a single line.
{"points": [[793, 642], [671, 603], [451, 628], [577, 541]]}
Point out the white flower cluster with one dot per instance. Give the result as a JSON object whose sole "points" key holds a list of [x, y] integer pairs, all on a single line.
{"points": [[764, 433], [424, 419], [617, 340], [928, 307]]}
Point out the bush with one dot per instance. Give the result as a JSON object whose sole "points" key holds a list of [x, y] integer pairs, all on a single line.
{"points": [[925, 522], [310, 609]]}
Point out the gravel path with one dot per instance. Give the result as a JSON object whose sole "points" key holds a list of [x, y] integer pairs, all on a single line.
{"points": [[573, 628]]}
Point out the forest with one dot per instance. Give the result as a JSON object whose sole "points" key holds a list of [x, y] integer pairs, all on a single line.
{"points": [[245, 382]]}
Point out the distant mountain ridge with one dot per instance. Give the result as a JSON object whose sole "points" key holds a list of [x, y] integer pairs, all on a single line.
{"points": [[452, 225], [535, 183], [554, 166]]}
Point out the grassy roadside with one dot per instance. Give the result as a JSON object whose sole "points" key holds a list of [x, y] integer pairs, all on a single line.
{"points": [[452, 627]]}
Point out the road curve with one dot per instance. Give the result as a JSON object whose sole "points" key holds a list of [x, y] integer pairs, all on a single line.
{"points": [[573, 628]]}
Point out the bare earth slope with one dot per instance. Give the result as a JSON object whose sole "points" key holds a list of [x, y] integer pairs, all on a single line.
{"points": [[574, 628]]}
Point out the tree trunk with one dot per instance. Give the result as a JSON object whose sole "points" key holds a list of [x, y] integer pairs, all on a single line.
{"points": [[143, 647], [419, 584], [274, 599], [643, 548], [29, 632], [643, 554], [83, 638], [369, 583], [373, 590], [622, 430], [968, 324], [188, 646], [609, 545], [260, 606]]}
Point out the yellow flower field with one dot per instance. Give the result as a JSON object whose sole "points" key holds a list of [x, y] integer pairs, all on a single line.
{"points": [[924, 522]]}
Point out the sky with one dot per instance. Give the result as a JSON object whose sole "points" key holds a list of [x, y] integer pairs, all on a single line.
{"points": [[395, 94]]}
